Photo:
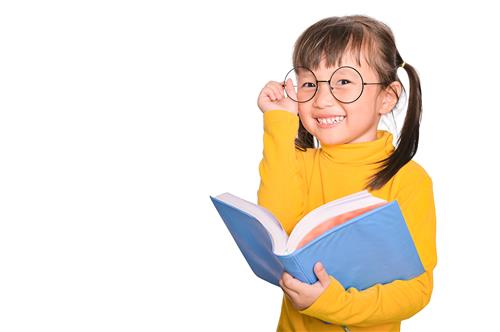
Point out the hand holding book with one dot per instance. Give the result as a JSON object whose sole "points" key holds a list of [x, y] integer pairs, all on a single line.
{"points": [[302, 295]]}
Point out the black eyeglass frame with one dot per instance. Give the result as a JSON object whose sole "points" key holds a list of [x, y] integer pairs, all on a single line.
{"points": [[363, 83]]}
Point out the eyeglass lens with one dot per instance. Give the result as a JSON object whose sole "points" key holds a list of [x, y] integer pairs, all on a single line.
{"points": [[346, 84]]}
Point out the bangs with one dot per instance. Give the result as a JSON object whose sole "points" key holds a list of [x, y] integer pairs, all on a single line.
{"points": [[332, 42]]}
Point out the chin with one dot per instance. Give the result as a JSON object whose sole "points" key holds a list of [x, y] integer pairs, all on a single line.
{"points": [[331, 140], [327, 136]]}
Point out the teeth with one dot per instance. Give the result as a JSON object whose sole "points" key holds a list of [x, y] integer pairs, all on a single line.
{"points": [[335, 119]]}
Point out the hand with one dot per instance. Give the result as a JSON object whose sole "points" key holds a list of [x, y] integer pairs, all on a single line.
{"points": [[272, 97], [302, 295]]}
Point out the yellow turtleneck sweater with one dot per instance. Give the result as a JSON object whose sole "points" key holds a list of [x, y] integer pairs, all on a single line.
{"points": [[294, 182]]}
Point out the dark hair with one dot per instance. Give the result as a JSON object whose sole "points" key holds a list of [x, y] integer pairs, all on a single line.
{"points": [[330, 38]]}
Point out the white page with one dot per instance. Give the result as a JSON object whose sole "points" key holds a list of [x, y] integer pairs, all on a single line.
{"points": [[328, 211], [265, 217], [313, 214]]}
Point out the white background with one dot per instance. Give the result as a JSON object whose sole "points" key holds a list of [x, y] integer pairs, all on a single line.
{"points": [[118, 119]]}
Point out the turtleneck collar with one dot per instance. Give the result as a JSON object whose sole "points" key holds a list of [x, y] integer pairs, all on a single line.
{"points": [[360, 153]]}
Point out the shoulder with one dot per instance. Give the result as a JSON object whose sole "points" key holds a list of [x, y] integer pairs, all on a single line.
{"points": [[411, 179], [412, 173], [413, 189]]}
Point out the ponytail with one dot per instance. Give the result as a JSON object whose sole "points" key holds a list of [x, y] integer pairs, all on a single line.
{"points": [[408, 140]]}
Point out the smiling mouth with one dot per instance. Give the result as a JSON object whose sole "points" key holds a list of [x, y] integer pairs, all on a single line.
{"points": [[330, 122]]}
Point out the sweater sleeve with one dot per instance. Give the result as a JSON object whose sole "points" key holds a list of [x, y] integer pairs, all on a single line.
{"points": [[397, 300], [282, 182]]}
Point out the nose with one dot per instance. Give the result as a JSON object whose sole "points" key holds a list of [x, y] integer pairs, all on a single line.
{"points": [[324, 97]]}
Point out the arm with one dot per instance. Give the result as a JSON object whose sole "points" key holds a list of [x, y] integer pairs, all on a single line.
{"points": [[397, 300], [282, 181]]}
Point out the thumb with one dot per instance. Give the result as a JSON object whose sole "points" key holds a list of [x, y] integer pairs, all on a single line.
{"points": [[322, 274], [290, 89]]}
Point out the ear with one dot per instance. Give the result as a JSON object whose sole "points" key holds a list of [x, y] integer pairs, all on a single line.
{"points": [[390, 96]]}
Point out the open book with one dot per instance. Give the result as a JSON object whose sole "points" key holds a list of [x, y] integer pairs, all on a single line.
{"points": [[361, 240]]}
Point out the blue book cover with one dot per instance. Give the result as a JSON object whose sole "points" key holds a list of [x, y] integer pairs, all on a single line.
{"points": [[373, 247]]}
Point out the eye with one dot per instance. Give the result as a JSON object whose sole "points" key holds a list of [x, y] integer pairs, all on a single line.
{"points": [[343, 82], [308, 85]]}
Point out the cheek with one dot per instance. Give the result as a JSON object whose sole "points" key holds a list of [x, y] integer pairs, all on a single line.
{"points": [[363, 108], [306, 118], [368, 101], [303, 111]]}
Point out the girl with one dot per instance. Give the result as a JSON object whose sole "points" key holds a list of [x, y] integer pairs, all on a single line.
{"points": [[346, 72]]}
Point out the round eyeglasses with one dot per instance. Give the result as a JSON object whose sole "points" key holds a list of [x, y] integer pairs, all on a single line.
{"points": [[346, 84]]}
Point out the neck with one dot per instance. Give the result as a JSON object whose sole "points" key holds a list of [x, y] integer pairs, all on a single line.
{"points": [[364, 152]]}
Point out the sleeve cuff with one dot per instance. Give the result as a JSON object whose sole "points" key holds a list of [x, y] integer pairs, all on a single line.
{"points": [[332, 297]]}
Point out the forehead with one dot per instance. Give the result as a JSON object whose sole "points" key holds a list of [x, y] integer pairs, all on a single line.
{"points": [[347, 59]]}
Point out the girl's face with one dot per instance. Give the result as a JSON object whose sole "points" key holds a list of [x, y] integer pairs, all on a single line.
{"points": [[361, 117]]}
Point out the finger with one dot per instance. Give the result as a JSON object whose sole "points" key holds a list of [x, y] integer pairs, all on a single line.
{"points": [[322, 274], [271, 93], [276, 90], [287, 288], [273, 86], [288, 296], [290, 292], [289, 88], [291, 283]]}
